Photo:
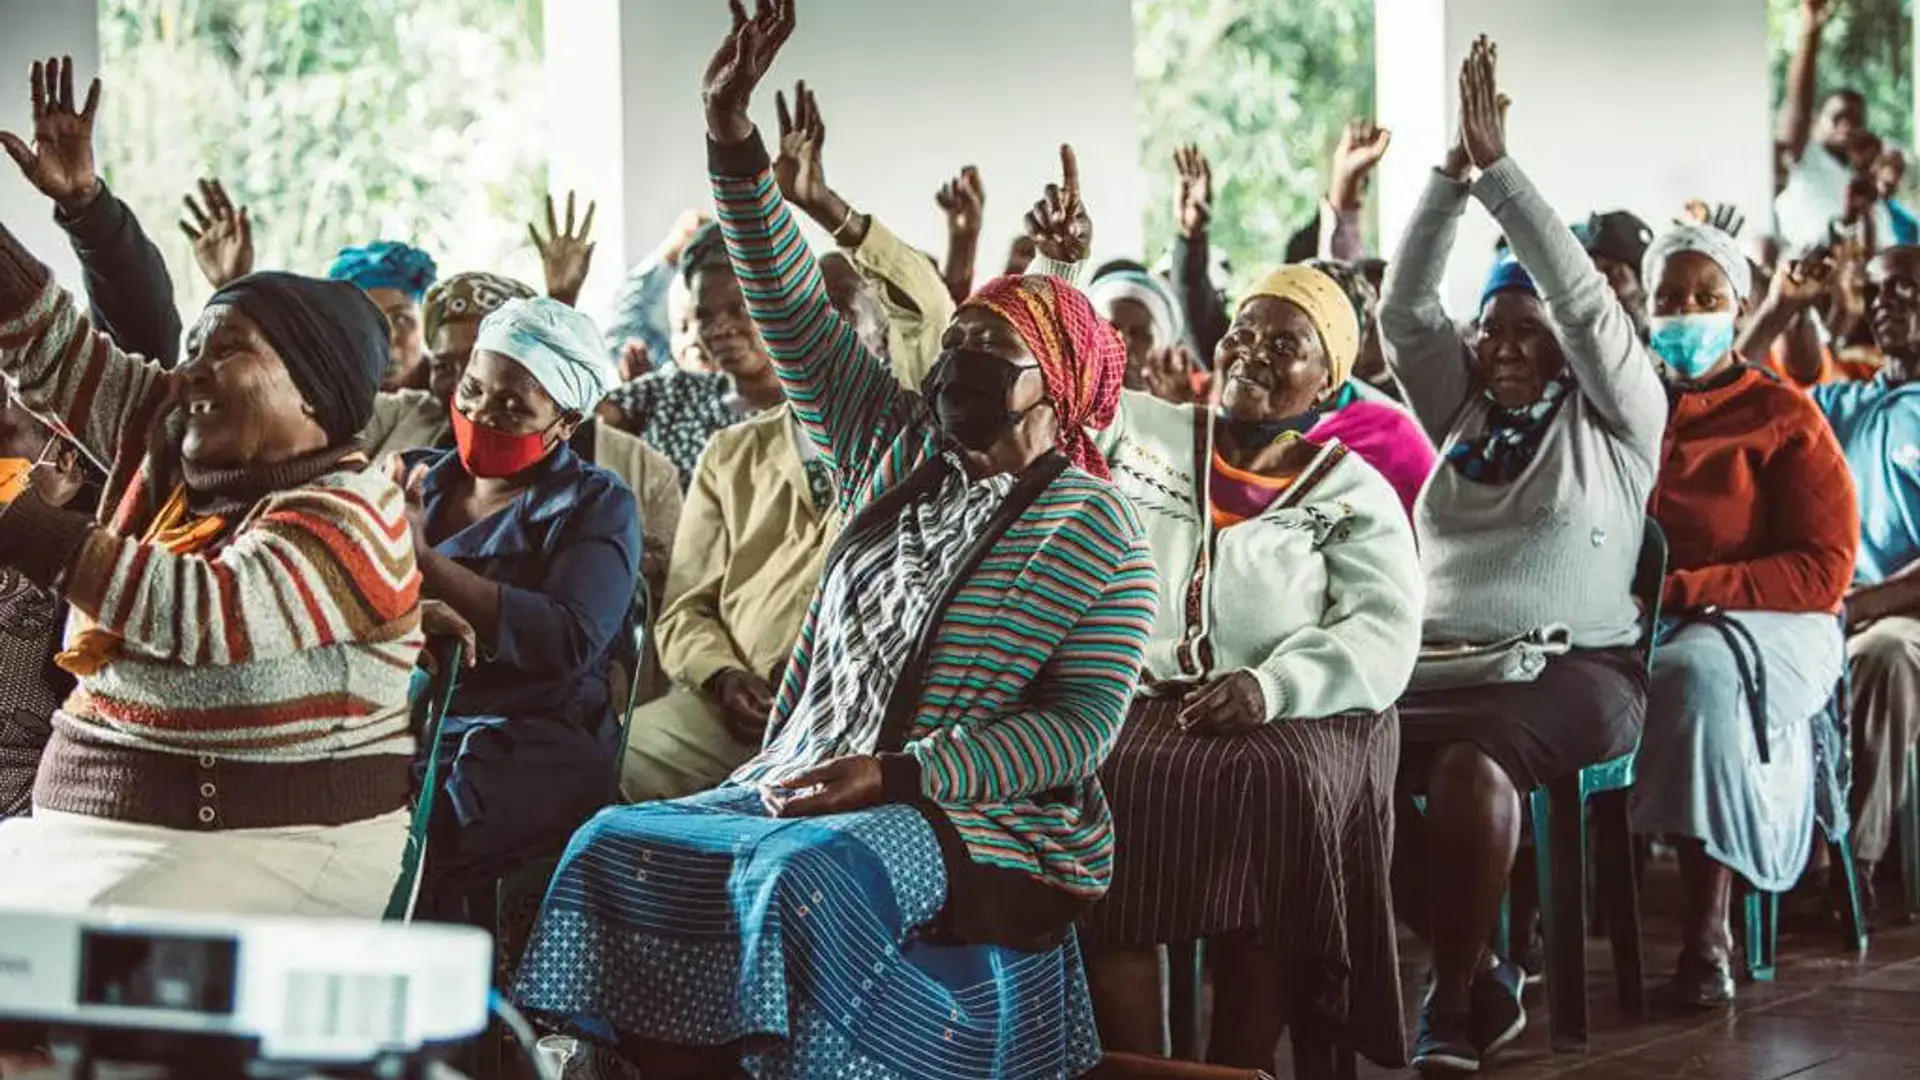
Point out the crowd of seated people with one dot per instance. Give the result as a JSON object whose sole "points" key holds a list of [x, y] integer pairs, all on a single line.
{"points": [[999, 638]]}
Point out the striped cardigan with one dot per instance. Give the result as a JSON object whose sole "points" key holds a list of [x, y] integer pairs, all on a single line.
{"points": [[289, 642], [1021, 685]]}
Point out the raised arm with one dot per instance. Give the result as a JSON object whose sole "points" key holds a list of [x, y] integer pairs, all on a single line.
{"points": [[1796, 112], [845, 398], [1206, 310], [963, 201], [1079, 700], [69, 375], [1361, 147], [1610, 366], [917, 301], [126, 279], [1419, 341], [640, 308]]}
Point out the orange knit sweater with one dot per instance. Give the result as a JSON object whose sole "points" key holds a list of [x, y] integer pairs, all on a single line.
{"points": [[1756, 501]]}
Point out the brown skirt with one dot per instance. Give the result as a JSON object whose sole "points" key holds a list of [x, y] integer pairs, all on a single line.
{"points": [[1284, 833]]}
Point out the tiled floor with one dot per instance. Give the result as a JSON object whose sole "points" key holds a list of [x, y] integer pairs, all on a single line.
{"points": [[1826, 1017]]}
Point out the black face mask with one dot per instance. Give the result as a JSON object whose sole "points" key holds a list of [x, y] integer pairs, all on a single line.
{"points": [[968, 391], [1255, 434]]}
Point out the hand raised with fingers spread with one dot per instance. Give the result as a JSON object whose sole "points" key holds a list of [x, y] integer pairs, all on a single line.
{"points": [[565, 255], [801, 174], [1361, 147], [60, 160], [740, 63], [1058, 223], [1723, 216], [963, 199], [222, 236], [1193, 192], [1483, 109]]}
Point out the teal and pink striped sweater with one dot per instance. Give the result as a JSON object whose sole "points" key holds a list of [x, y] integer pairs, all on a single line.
{"points": [[1034, 660]]}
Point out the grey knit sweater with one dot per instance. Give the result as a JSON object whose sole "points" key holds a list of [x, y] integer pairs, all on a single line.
{"points": [[1559, 543]]}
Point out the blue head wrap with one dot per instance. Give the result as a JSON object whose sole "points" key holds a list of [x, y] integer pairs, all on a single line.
{"points": [[386, 264], [1507, 273]]}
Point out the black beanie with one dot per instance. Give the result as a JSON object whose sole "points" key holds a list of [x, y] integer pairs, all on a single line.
{"points": [[331, 337]]}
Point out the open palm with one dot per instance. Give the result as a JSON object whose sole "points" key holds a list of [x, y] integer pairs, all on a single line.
{"points": [[60, 160], [741, 62]]}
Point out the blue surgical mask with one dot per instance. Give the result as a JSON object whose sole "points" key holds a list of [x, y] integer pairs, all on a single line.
{"points": [[1691, 344]]}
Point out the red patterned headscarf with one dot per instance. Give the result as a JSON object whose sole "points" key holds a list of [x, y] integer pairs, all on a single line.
{"points": [[1081, 356]]}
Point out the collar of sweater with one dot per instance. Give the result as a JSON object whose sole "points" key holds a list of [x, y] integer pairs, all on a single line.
{"points": [[230, 493]]}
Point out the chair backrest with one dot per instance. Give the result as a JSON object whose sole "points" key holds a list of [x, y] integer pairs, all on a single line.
{"points": [[1649, 581], [630, 659], [429, 696]]}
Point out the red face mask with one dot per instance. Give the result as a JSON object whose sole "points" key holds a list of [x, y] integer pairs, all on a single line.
{"points": [[494, 454]]}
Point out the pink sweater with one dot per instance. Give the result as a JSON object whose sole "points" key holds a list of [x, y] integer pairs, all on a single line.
{"points": [[1387, 438]]}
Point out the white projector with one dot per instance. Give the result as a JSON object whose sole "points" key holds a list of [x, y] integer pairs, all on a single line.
{"points": [[323, 992]]}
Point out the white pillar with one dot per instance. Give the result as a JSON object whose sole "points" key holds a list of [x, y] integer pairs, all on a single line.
{"points": [[909, 96], [1632, 104], [35, 30]]}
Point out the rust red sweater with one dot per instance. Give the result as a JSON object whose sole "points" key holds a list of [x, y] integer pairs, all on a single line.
{"points": [[1756, 501]]}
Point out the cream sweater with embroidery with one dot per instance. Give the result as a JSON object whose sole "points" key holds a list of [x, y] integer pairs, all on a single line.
{"points": [[1319, 597]]}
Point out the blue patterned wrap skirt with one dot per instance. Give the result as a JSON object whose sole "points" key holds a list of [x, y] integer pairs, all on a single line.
{"points": [[705, 922]]}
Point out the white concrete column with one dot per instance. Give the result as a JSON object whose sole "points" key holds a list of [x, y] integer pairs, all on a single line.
{"points": [[35, 30], [909, 96], [1631, 104]]}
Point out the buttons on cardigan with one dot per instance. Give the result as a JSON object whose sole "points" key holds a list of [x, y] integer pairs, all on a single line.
{"points": [[207, 791], [206, 815], [208, 761]]}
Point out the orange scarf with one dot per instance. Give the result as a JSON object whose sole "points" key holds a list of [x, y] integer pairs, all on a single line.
{"points": [[176, 531]]}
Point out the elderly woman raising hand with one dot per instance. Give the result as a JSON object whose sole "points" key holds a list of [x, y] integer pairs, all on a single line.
{"points": [[928, 774]]}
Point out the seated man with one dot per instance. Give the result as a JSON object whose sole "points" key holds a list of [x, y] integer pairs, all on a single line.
{"points": [[753, 539], [1878, 425]]}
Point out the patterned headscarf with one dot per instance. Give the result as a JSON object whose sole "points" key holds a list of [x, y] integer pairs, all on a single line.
{"points": [[1150, 292], [1706, 240], [1080, 355], [468, 297], [386, 264]]}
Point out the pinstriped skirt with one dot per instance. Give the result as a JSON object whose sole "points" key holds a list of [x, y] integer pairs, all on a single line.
{"points": [[1285, 833]]}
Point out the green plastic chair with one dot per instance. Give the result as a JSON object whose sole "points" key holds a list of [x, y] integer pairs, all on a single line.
{"points": [[1906, 826], [429, 693]]}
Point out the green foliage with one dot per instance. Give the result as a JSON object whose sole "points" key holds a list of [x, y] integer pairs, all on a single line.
{"points": [[1264, 87], [335, 121], [1868, 46]]}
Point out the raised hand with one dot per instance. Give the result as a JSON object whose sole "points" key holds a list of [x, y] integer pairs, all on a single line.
{"points": [[1724, 216], [1815, 14], [1483, 109], [963, 199], [1058, 223], [565, 255], [798, 169], [1193, 192], [1362, 144], [60, 161], [741, 61], [1801, 282], [222, 236]]}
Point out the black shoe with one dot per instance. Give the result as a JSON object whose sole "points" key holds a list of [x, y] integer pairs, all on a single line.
{"points": [[1703, 982], [1443, 1046], [1498, 1015]]}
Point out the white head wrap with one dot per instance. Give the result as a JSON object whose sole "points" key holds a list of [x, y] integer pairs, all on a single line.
{"points": [[558, 345], [1723, 249], [1147, 290]]}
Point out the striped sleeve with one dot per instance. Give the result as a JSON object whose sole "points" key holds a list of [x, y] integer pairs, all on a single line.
{"points": [[74, 378], [1081, 696], [326, 564], [845, 398]]}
